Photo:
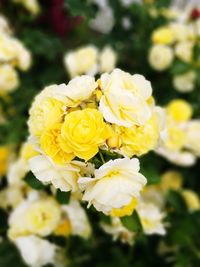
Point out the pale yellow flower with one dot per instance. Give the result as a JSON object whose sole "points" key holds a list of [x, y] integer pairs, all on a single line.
{"points": [[82, 61], [42, 217], [185, 82], [161, 57], [191, 199], [115, 188], [9, 79], [107, 59], [171, 180], [125, 98]]}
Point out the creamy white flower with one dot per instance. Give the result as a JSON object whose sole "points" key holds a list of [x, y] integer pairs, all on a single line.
{"points": [[184, 50], [125, 96], [82, 61], [16, 172], [179, 157], [127, 3], [35, 215], [78, 219], [13, 51], [78, 89], [160, 57], [104, 20], [114, 186], [107, 59], [8, 78], [118, 231], [185, 82], [62, 177], [35, 251], [4, 25], [182, 31], [151, 218], [192, 129]]}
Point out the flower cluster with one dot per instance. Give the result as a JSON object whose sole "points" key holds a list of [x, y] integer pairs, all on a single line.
{"points": [[178, 43], [13, 55], [89, 60], [180, 142], [72, 126]]}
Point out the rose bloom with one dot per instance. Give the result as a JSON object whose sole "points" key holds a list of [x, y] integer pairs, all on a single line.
{"points": [[160, 57], [125, 98], [115, 188], [82, 132]]}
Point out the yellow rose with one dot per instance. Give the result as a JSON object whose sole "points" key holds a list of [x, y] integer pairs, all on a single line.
{"points": [[176, 137], [49, 142], [4, 154], [42, 217], [191, 199], [138, 140], [82, 133], [171, 180], [179, 110], [163, 36], [44, 114]]}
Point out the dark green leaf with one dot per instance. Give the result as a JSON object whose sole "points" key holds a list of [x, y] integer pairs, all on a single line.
{"points": [[62, 197], [33, 182], [132, 222]]}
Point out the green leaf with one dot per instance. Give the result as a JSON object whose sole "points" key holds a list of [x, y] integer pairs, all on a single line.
{"points": [[176, 201], [180, 67], [132, 222], [33, 182], [104, 218], [81, 8], [62, 197]]}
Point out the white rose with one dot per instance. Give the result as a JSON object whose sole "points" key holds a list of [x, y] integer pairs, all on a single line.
{"points": [[185, 82], [179, 157], [78, 89], [82, 61], [184, 50], [104, 20], [192, 129], [124, 100], [9, 78], [182, 32], [16, 172], [35, 251], [160, 57], [151, 218], [118, 231], [116, 185], [107, 59], [62, 177], [78, 219]]}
